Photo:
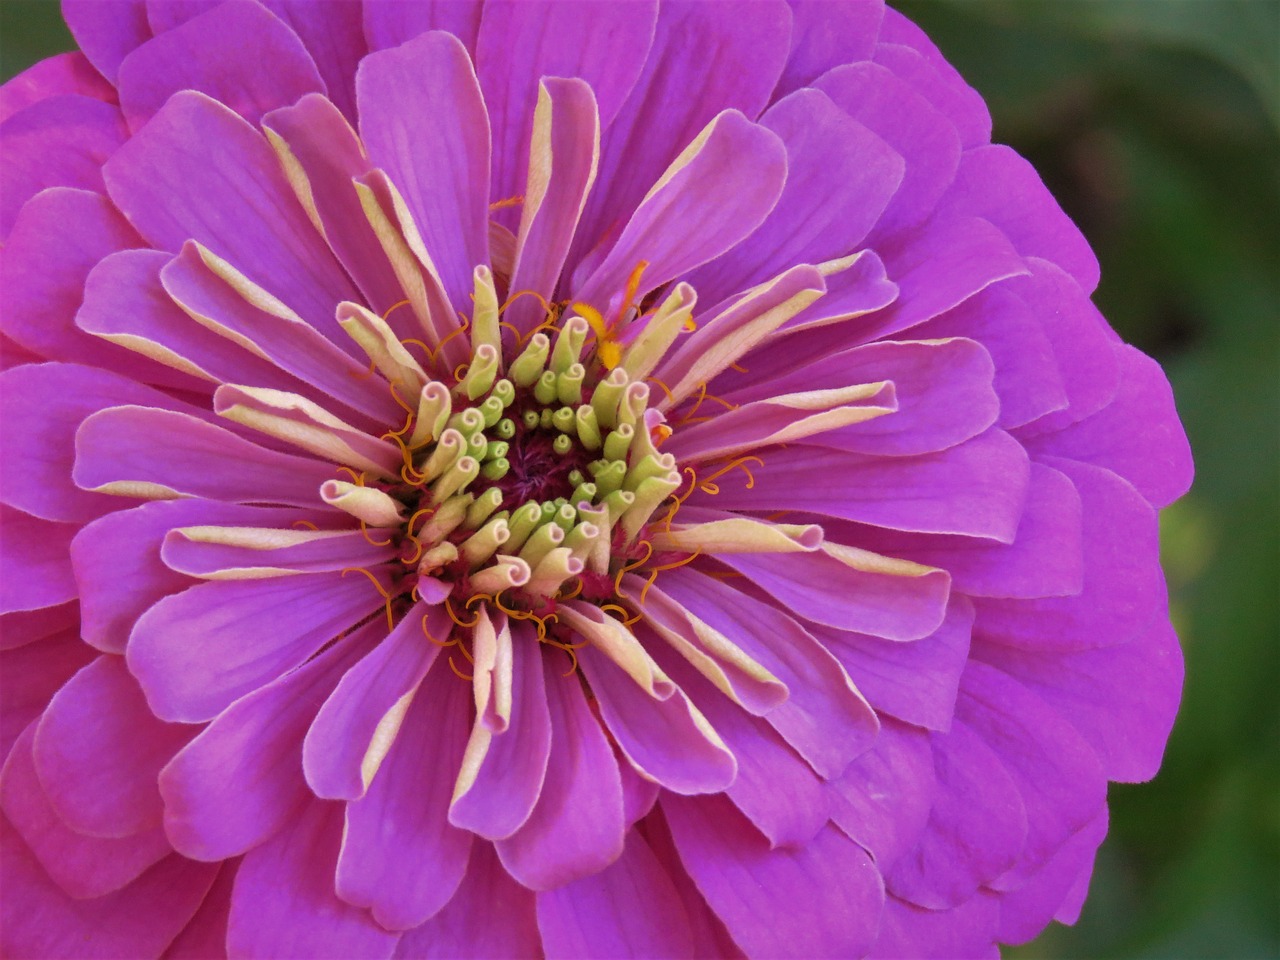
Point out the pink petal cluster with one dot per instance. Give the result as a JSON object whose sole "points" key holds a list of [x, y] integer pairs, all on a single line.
{"points": [[552, 478]]}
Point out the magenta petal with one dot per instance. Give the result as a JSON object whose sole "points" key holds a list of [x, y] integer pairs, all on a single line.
{"points": [[469, 928], [400, 856], [62, 141], [576, 829], [909, 932], [389, 23], [206, 935], [547, 229], [832, 877], [27, 626], [118, 566], [186, 456], [1121, 698], [35, 571], [1048, 894], [32, 673], [84, 867], [976, 827], [917, 681], [238, 53], [1058, 775], [98, 751], [1137, 435], [507, 786], [697, 211], [63, 73], [107, 30], [426, 92], [283, 902], [630, 909], [663, 739], [824, 717], [197, 651], [336, 744], [169, 181], [1123, 589], [42, 407], [519, 43], [995, 183], [38, 920], [924, 138], [774, 787], [240, 781], [827, 35], [976, 488], [883, 799], [705, 58], [840, 176], [331, 157]]}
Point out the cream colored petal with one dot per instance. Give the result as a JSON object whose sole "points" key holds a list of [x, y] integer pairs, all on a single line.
{"points": [[612, 638], [738, 535]]}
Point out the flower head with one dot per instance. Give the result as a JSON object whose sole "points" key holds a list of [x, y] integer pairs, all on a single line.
{"points": [[562, 479]]}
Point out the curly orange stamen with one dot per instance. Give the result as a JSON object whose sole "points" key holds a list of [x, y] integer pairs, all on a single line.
{"points": [[419, 549], [364, 532], [424, 511], [627, 617], [386, 597], [448, 607], [654, 571], [356, 478], [576, 592], [452, 641], [457, 332], [394, 307], [708, 487], [507, 202], [617, 580], [458, 673], [739, 367], [368, 373], [678, 502], [665, 389], [304, 523]]}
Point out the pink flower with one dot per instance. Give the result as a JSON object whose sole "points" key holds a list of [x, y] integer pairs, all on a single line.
{"points": [[550, 478]]}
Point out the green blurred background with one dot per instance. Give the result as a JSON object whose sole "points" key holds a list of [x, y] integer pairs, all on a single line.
{"points": [[1156, 123]]}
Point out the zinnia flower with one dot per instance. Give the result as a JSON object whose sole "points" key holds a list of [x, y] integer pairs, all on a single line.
{"points": [[547, 478]]}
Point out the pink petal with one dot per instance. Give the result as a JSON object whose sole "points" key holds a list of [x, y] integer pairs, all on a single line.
{"points": [[916, 681], [197, 651], [774, 787], [695, 211], [1122, 698], [42, 407], [169, 181], [35, 572], [967, 930], [1137, 435], [238, 53], [38, 920], [665, 740], [426, 92], [331, 156], [62, 141], [389, 23], [742, 879], [883, 799], [1024, 210], [921, 135], [548, 222], [334, 36], [32, 673], [27, 626], [84, 867], [337, 742], [576, 828], [508, 784], [240, 781], [400, 856], [705, 58], [283, 903], [465, 928], [840, 177], [630, 909], [185, 455], [98, 751], [206, 935], [1123, 590], [826, 35], [63, 73], [107, 31], [824, 717], [518, 44], [976, 828]]}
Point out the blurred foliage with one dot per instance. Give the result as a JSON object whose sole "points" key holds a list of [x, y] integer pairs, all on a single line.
{"points": [[1157, 125]]}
